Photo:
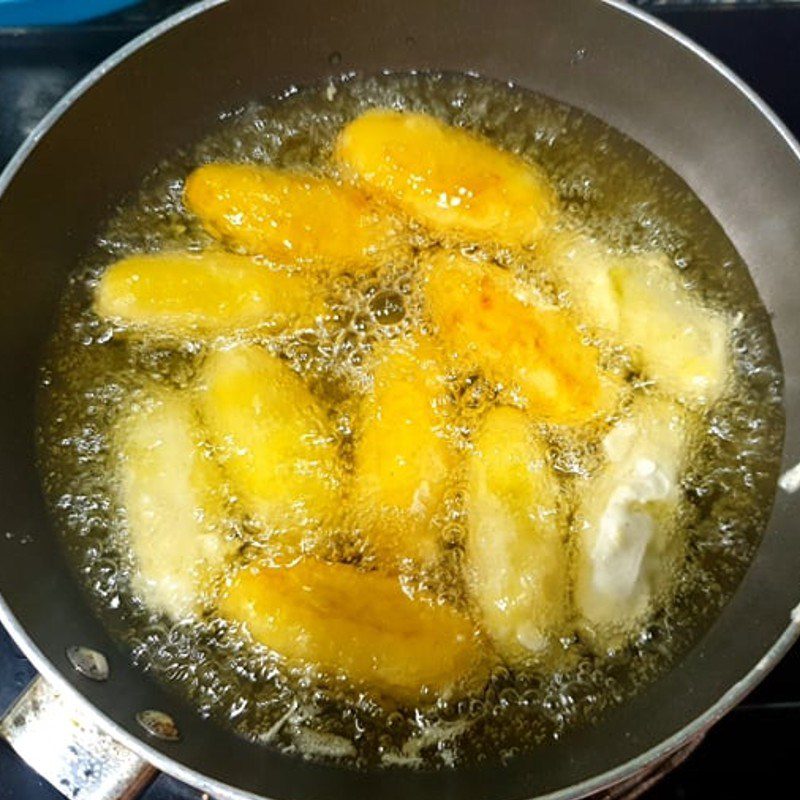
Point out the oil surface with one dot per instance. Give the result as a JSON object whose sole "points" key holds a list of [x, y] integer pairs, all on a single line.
{"points": [[609, 187]]}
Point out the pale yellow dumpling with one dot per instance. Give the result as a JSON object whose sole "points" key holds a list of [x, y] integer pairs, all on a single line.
{"points": [[452, 181], [272, 437], [173, 501], [338, 618], [627, 545], [516, 557], [290, 217], [204, 294], [640, 300], [402, 460], [488, 321]]}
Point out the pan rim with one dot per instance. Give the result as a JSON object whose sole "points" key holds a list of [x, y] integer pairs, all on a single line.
{"points": [[172, 766]]}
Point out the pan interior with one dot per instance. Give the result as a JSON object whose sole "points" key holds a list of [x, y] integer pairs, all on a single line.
{"points": [[609, 186]]}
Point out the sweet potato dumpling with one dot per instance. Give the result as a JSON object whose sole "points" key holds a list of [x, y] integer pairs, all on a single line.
{"points": [[452, 181], [402, 460], [288, 216], [204, 293], [171, 492], [640, 300], [340, 619], [627, 544], [271, 435], [516, 557], [487, 321]]}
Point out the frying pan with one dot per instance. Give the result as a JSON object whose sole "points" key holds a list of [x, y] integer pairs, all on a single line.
{"points": [[166, 89]]}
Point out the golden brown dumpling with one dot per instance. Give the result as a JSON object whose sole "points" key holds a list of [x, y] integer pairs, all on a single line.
{"points": [[484, 318], [402, 460], [287, 216], [204, 294], [446, 178], [338, 618], [272, 437]]}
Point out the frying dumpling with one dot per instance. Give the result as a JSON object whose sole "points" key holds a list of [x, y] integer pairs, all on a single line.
{"points": [[516, 559], [340, 619], [627, 545], [287, 216], [401, 459], [173, 503], [204, 293], [583, 267], [640, 300], [446, 178], [488, 321], [272, 437]]}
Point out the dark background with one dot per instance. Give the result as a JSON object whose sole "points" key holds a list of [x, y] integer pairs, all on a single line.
{"points": [[750, 753]]}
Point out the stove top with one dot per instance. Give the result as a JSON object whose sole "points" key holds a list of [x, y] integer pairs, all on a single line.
{"points": [[752, 750]]}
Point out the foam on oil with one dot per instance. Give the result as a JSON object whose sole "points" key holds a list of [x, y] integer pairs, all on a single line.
{"points": [[609, 187]]}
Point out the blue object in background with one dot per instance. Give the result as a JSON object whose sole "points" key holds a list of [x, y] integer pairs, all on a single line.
{"points": [[20, 13]]}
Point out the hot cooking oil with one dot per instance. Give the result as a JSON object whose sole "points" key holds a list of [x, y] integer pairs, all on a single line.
{"points": [[609, 188]]}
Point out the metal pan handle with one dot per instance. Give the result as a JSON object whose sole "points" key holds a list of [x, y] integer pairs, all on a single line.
{"points": [[78, 758]]}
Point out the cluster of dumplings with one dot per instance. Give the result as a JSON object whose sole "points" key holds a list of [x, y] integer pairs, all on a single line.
{"points": [[542, 556]]}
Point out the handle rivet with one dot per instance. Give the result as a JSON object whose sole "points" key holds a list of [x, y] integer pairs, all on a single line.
{"points": [[88, 662], [159, 725]]}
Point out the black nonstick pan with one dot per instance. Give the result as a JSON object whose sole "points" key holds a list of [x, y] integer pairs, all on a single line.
{"points": [[165, 90]]}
